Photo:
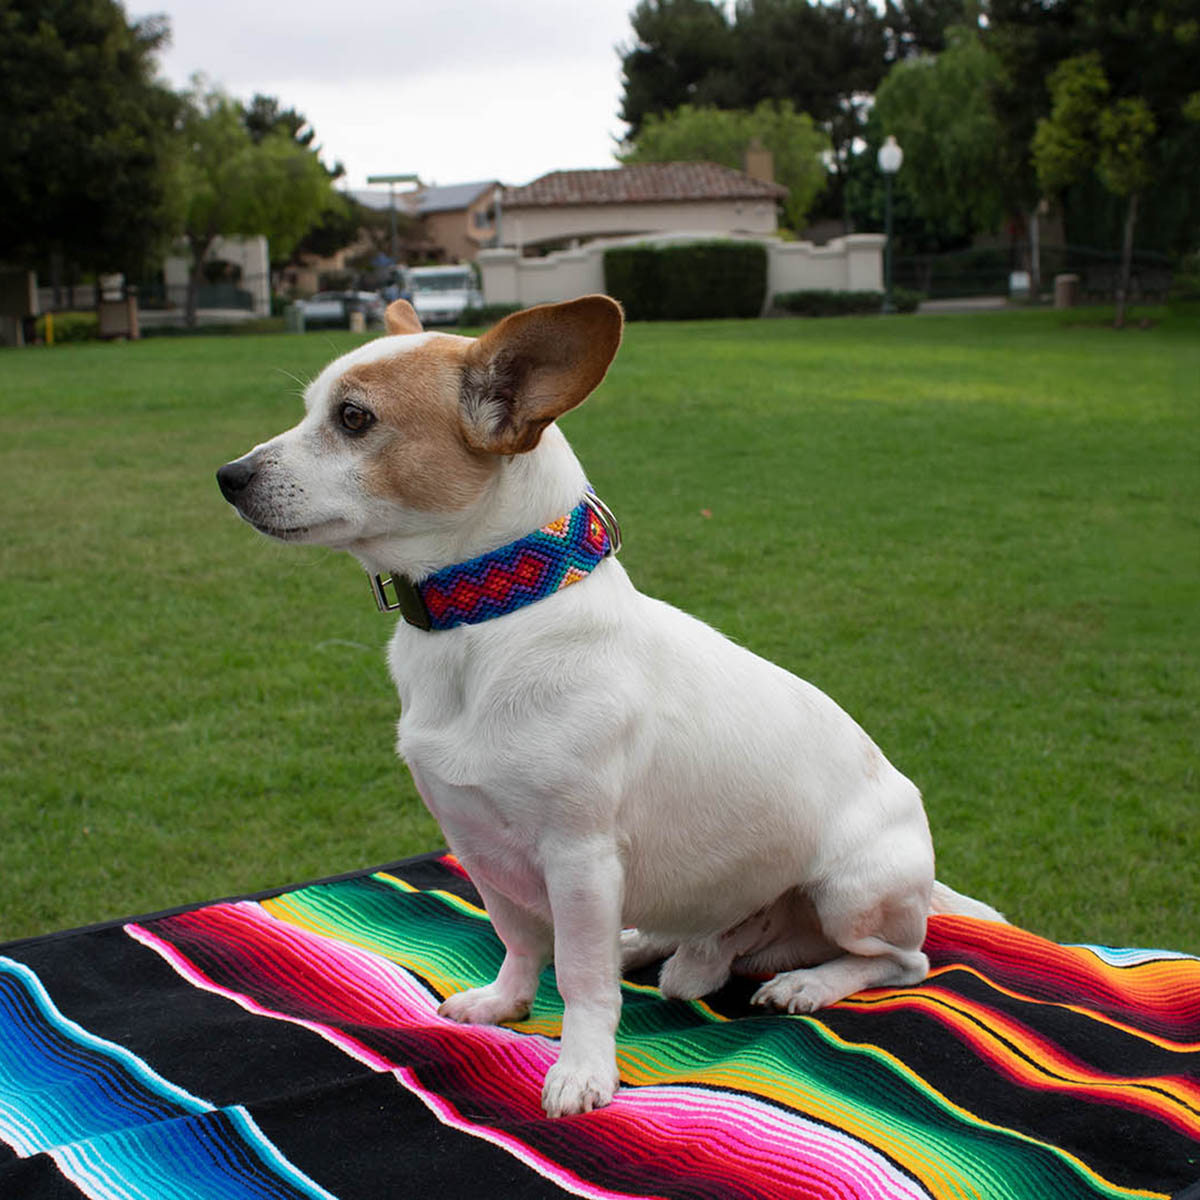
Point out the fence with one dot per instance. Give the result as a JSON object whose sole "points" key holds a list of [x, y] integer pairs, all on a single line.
{"points": [[153, 295], [985, 271]]}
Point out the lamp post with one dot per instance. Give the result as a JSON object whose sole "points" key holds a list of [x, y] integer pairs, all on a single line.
{"points": [[391, 181], [890, 158]]}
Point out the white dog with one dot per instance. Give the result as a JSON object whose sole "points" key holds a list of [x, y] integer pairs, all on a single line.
{"points": [[598, 760]]}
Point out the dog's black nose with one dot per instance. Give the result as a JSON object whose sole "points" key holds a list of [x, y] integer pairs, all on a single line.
{"points": [[233, 479]]}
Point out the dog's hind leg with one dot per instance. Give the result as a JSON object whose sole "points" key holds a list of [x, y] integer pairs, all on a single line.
{"points": [[527, 942], [881, 947]]}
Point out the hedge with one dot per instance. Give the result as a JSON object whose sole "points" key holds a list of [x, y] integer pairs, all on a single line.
{"points": [[478, 316], [688, 281], [825, 303], [70, 327]]}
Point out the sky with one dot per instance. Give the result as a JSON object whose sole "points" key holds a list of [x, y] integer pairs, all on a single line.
{"points": [[451, 90]]}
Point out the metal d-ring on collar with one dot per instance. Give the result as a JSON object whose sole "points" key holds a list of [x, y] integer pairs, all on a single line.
{"points": [[409, 602], [607, 518]]}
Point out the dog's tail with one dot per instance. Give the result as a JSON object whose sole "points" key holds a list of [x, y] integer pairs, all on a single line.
{"points": [[947, 900]]}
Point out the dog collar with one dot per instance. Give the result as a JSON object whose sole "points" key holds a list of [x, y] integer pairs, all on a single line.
{"points": [[495, 584]]}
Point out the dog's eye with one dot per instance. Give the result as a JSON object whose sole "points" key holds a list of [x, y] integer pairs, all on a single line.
{"points": [[354, 419]]}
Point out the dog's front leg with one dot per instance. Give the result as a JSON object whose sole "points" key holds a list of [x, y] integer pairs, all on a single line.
{"points": [[509, 997], [584, 886]]}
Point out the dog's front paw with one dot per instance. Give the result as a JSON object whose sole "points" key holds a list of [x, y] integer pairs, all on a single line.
{"points": [[638, 949], [578, 1088], [688, 975], [484, 1006]]}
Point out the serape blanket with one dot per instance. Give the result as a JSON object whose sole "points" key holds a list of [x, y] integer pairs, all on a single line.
{"points": [[287, 1045]]}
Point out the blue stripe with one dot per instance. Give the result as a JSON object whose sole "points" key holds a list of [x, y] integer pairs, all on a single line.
{"points": [[1122, 957], [115, 1127]]}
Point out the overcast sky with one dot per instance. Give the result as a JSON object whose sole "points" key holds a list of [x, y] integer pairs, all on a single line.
{"points": [[451, 90]]}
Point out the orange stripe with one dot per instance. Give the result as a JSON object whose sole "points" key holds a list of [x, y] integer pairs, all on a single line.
{"points": [[1036, 1063]]}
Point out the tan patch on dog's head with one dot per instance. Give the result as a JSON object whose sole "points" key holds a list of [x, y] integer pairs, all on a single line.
{"points": [[418, 454]]}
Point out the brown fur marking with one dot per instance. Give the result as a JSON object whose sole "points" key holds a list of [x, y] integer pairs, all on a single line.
{"points": [[422, 458]]}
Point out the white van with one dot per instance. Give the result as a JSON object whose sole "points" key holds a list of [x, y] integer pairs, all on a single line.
{"points": [[440, 294]]}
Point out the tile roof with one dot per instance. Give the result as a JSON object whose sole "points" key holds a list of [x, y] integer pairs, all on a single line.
{"points": [[645, 183]]}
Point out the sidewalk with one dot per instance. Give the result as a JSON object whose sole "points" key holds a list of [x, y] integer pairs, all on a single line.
{"points": [[964, 304]]}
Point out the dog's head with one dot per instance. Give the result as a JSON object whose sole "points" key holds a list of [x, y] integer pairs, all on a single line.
{"points": [[414, 427]]}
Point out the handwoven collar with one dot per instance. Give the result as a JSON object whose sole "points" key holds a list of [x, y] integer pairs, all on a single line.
{"points": [[523, 572]]}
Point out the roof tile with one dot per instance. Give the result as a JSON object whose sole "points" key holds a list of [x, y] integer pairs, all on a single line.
{"points": [[641, 184]]}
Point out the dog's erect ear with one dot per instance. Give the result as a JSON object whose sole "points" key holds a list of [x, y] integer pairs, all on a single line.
{"points": [[401, 317], [534, 366]]}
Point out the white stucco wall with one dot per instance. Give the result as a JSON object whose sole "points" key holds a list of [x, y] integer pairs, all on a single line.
{"points": [[249, 253], [533, 226], [850, 264]]}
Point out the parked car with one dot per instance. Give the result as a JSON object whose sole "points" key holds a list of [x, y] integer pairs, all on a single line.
{"points": [[334, 308], [440, 294]]}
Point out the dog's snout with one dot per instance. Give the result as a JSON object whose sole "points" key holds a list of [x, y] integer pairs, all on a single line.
{"points": [[234, 477]]}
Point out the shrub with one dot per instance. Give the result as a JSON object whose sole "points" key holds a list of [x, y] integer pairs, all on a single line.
{"points": [[480, 316], [1185, 281], [71, 327], [689, 281], [826, 303], [906, 300]]}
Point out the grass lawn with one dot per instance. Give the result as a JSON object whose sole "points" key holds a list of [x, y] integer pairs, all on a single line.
{"points": [[980, 534]]}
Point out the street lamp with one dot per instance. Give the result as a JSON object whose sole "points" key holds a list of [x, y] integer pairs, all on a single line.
{"points": [[391, 181], [890, 158]]}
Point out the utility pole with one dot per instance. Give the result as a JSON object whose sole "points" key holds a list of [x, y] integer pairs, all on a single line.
{"points": [[391, 181]]}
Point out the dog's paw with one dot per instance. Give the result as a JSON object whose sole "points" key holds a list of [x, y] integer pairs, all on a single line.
{"points": [[579, 1088], [639, 949], [795, 992], [688, 976], [484, 1006]]}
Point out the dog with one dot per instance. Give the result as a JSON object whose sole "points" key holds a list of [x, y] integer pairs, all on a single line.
{"points": [[620, 781]]}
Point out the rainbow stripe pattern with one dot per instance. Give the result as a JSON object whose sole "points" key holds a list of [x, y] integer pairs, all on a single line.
{"points": [[527, 570], [289, 1046]]}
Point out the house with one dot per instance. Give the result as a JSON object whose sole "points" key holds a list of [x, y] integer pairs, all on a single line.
{"points": [[565, 208], [453, 222], [459, 219]]}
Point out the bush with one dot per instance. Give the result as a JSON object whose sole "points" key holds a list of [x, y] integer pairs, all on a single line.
{"points": [[71, 327], [480, 316], [818, 302], [688, 281], [1185, 280], [906, 300]]}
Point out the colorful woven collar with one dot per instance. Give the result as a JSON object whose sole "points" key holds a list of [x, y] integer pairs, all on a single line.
{"points": [[500, 582]]}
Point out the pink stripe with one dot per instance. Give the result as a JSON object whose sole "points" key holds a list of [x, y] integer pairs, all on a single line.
{"points": [[196, 978], [740, 1145]]}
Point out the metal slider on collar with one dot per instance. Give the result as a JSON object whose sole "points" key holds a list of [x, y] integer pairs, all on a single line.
{"points": [[409, 602]]}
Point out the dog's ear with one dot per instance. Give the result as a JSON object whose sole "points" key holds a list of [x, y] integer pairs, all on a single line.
{"points": [[401, 317], [534, 366]]}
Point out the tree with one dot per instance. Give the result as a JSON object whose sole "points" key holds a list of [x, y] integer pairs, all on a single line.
{"points": [[1146, 50], [85, 136], [1085, 131], [717, 135], [228, 184], [939, 111], [682, 54], [825, 59]]}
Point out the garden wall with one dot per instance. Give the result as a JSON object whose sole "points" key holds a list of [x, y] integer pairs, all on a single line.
{"points": [[848, 264]]}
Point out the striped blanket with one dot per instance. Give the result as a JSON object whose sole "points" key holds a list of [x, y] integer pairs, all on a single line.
{"points": [[288, 1046]]}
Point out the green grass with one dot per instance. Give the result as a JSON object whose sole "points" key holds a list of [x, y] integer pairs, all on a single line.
{"points": [[980, 534]]}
